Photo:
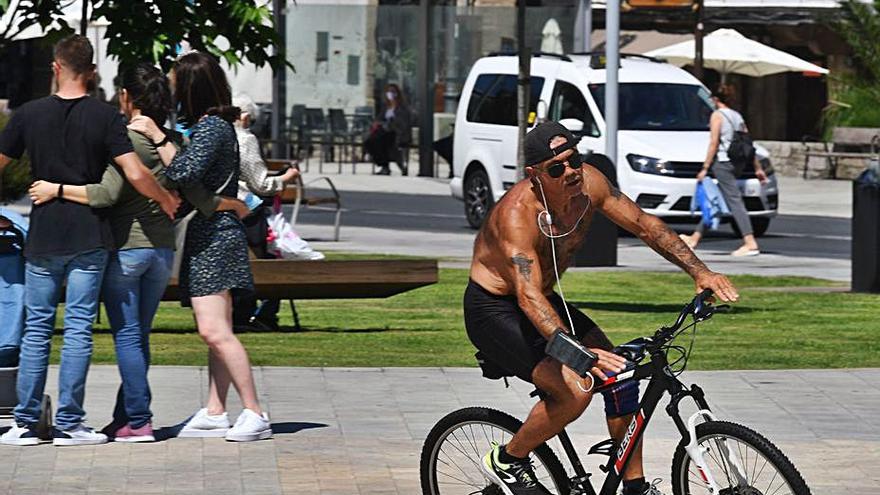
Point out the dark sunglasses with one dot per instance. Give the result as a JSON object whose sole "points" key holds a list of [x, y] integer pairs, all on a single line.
{"points": [[558, 168]]}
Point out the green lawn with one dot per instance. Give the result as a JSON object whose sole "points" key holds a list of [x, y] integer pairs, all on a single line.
{"points": [[777, 324]]}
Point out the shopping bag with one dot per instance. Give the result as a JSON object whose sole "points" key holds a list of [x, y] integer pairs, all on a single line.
{"points": [[284, 242]]}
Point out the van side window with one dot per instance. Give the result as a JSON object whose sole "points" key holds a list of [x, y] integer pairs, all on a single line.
{"points": [[568, 103], [493, 99]]}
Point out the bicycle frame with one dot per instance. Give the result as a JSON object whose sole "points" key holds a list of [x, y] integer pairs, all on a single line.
{"points": [[662, 380]]}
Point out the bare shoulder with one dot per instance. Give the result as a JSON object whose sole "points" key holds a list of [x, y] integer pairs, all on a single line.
{"points": [[597, 186], [514, 219]]}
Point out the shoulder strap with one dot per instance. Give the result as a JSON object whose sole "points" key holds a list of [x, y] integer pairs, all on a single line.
{"points": [[734, 126]]}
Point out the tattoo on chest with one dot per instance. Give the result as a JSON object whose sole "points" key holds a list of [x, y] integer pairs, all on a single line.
{"points": [[524, 264]]}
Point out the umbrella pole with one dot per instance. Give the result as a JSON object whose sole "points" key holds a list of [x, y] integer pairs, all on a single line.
{"points": [[698, 42]]}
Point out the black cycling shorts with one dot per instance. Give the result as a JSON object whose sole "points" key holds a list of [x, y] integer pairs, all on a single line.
{"points": [[506, 337]]}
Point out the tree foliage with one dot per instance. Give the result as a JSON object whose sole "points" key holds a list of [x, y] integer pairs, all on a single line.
{"points": [[859, 25], [854, 103], [151, 30]]}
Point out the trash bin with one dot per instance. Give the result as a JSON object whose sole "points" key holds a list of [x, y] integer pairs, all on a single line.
{"points": [[866, 230], [600, 245]]}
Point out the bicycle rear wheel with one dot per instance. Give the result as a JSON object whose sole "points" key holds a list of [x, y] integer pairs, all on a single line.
{"points": [[741, 461], [452, 456]]}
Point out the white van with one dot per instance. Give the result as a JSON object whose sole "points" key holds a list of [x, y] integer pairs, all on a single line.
{"points": [[662, 141]]}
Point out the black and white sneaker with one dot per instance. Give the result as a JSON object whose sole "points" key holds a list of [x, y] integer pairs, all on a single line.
{"points": [[517, 478], [20, 434], [78, 435]]}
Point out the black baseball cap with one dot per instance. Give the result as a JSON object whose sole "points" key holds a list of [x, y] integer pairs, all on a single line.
{"points": [[536, 147]]}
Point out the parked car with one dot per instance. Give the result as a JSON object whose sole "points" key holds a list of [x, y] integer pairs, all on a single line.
{"points": [[662, 140]]}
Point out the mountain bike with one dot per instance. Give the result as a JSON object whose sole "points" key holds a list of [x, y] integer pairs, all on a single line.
{"points": [[713, 457]]}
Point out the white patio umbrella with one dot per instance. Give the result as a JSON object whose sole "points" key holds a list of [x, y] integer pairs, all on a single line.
{"points": [[729, 52]]}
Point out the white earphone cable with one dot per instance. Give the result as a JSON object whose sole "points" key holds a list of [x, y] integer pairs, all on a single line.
{"points": [[556, 268]]}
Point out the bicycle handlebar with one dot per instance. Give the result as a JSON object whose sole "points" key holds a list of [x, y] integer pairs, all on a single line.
{"points": [[696, 307]]}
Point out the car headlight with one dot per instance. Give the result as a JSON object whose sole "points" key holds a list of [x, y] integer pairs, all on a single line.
{"points": [[648, 165]]}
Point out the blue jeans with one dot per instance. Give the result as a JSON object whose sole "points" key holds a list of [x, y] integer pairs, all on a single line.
{"points": [[44, 278], [11, 308], [133, 287]]}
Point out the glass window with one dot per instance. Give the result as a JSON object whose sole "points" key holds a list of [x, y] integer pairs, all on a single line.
{"points": [[493, 100], [322, 53], [569, 103], [659, 106]]}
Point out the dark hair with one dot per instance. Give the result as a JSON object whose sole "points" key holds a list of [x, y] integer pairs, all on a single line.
{"points": [[201, 88], [726, 93], [148, 91], [75, 52]]}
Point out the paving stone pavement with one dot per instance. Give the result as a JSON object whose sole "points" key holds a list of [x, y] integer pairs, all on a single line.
{"points": [[344, 431]]}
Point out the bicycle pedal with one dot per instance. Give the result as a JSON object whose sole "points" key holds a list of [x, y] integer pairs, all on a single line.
{"points": [[605, 447]]}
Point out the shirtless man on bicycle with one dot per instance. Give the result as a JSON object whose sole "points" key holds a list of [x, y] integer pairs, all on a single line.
{"points": [[511, 310]]}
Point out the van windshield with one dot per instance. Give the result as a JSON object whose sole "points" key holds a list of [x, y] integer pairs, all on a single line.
{"points": [[659, 106]]}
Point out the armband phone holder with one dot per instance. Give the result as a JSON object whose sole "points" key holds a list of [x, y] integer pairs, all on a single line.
{"points": [[564, 348]]}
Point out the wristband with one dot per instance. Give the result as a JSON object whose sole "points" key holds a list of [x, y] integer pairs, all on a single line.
{"points": [[564, 348], [60, 191], [163, 142]]}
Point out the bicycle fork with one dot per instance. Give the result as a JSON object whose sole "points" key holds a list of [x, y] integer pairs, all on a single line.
{"points": [[693, 448]]}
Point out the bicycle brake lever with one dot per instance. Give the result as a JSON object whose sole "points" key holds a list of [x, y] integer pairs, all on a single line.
{"points": [[722, 308]]}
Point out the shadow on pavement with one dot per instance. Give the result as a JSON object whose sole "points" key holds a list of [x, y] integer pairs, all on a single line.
{"points": [[168, 432], [294, 427]]}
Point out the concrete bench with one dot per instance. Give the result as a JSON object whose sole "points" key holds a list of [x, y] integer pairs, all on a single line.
{"points": [[333, 279], [846, 142]]}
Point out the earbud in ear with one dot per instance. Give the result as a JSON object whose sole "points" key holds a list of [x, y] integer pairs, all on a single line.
{"points": [[549, 218]]}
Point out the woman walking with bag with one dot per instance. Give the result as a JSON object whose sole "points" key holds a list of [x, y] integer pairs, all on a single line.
{"points": [[215, 260], [138, 271], [723, 125]]}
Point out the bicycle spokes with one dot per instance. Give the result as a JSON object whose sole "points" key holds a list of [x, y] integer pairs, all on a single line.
{"points": [[459, 457], [737, 468]]}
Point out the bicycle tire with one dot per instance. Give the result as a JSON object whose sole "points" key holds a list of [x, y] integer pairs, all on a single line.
{"points": [[485, 416], [723, 429]]}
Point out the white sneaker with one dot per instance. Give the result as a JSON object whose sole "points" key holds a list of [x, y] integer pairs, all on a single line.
{"points": [[204, 425], [20, 435], [78, 435], [250, 426]]}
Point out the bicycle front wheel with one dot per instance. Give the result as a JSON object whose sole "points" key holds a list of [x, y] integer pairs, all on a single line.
{"points": [[741, 461], [453, 453]]}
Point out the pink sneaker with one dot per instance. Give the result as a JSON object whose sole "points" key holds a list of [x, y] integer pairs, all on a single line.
{"points": [[132, 435]]}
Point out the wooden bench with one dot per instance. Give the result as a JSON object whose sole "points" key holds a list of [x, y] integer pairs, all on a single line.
{"points": [[846, 142], [298, 194], [334, 279]]}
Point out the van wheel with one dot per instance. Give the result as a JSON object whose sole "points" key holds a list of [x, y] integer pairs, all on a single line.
{"points": [[478, 199], [759, 226]]}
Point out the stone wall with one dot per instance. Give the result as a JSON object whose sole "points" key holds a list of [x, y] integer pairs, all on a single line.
{"points": [[787, 158]]}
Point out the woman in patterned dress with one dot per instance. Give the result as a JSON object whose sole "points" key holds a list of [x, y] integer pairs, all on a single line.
{"points": [[215, 258]]}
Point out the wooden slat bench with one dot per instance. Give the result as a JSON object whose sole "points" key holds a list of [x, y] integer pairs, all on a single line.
{"points": [[333, 279], [846, 142], [299, 194]]}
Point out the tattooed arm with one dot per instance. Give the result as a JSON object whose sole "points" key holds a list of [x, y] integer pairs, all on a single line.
{"points": [[522, 272], [655, 233]]}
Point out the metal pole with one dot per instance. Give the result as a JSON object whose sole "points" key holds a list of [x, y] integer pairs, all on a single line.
{"points": [[612, 64], [523, 83], [698, 42], [84, 19], [425, 92], [583, 26], [280, 148], [450, 93]]}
